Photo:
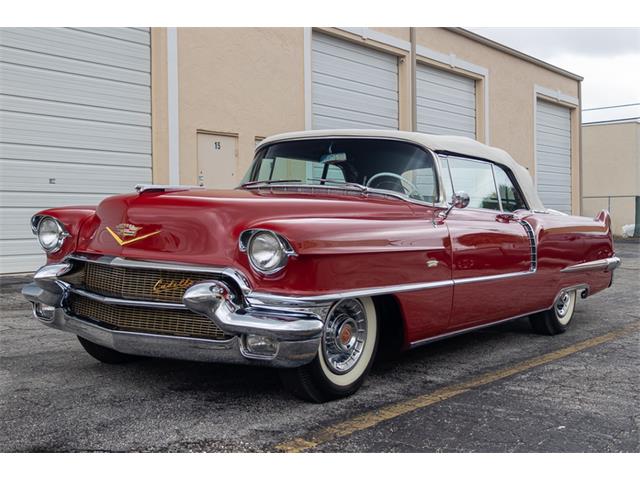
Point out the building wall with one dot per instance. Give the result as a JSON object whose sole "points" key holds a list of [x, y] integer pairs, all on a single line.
{"points": [[611, 162], [241, 81], [251, 82], [512, 86]]}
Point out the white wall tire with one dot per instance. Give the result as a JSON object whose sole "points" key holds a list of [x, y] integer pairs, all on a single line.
{"points": [[339, 367], [558, 318]]}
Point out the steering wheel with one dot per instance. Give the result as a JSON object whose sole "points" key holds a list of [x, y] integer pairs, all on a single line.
{"points": [[403, 181]]}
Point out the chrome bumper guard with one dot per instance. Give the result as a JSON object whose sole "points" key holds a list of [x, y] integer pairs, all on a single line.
{"points": [[293, 327]]}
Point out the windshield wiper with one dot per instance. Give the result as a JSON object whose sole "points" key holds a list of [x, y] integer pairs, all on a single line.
{"points": [[267, 182], [342, 183], [322, 181]]}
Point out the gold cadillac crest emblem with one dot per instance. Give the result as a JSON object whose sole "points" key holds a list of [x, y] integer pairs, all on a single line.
{"points": [[128, 230]]}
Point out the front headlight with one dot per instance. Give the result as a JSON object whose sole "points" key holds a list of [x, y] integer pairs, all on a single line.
{"points": [[268, 252], [51, 234]]}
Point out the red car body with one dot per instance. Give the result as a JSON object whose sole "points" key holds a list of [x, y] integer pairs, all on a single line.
{"points": [[346, 242], [443, 270]]}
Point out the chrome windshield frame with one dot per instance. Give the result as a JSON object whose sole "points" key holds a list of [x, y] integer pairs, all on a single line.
{"points": [[441, 203]]}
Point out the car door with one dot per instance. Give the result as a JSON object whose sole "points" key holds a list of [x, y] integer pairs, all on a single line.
{"points": [[491, 247]]}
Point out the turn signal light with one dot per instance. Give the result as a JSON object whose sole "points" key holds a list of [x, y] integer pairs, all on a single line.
{"points": [[260, 345]]}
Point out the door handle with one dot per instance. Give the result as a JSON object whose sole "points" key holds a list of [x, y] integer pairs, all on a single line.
{"points": [[505, 217]]}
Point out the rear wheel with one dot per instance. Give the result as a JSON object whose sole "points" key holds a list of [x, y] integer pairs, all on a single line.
{"points": [[345, 355], [105, 354], [557, 319]]}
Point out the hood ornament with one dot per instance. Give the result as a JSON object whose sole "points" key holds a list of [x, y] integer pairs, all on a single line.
{"points": [[128, 230]]}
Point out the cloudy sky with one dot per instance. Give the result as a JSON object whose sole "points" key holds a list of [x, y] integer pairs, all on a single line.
{"points": [[607, 58]]}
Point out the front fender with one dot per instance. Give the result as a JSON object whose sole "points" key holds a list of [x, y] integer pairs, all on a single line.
{"points": [[331, 236], [73, 219], [345, 254]]}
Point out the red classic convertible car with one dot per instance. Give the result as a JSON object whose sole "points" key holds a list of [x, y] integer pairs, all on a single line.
{"points": [[336, 243]]}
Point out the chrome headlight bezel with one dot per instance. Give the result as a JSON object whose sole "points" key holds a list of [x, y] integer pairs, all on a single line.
{"points": [[282, 248], [38, 222]]}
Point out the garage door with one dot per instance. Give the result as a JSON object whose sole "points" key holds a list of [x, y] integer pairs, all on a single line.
{"points": [[75, 110], [352, 86], [553, 155], [445, 102]]}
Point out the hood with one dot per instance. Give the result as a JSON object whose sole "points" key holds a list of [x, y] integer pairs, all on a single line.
{"points": [[203, 226]]}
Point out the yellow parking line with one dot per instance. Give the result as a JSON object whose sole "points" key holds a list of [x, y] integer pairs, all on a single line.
{"points": [[374, 417]]}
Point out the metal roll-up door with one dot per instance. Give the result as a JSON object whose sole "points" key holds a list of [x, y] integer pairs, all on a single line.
{"points": [[75, 111], [553, 155], [445, 102], [352, 86]]}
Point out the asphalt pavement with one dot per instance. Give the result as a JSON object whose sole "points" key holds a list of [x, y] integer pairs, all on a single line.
{"points": [[500, 389]]}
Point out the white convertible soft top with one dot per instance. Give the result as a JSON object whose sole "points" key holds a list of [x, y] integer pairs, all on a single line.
{"points": [[438, 143]]}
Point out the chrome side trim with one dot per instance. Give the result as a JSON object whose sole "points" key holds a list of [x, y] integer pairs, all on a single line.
{"points": [[490, 278], [232, 273], [329, 297], [604, 264], [310, 300], [532, 244]]}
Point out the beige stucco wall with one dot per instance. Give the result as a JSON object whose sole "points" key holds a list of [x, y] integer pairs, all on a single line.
{"points": [[243, 81], [611, 163], [250, 82]]}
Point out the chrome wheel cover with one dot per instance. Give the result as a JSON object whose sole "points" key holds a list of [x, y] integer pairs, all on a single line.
{"points": [[344, 335]]}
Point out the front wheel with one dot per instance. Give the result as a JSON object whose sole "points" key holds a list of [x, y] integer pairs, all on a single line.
{"points": [[557, 319], [345, 355]]}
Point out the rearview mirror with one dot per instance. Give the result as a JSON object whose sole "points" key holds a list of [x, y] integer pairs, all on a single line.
{"points": [[333, 158], [460, 199]]}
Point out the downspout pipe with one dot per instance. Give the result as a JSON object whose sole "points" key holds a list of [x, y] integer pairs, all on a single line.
{"points": [[580, 164], [414, 109]]}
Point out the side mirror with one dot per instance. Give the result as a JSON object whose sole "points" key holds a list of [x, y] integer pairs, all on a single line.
{"points": [[459, 199]]}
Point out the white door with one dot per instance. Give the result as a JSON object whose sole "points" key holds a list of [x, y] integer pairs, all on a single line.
{"points": [[553, 155], [75, 111], [445, 102], [217, 160], [352, 86]]}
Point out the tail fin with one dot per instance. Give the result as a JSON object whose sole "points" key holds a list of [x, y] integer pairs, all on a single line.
{"points": [[605, 218]]}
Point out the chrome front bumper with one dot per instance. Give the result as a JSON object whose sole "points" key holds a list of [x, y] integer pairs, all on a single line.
{"points": [[292, 326]]}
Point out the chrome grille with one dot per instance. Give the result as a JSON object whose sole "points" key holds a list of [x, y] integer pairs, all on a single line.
{"points": [[181, 323], [140, 283]]}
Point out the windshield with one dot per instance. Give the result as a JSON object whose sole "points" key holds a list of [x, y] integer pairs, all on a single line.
{"points": [[390, 165]]}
